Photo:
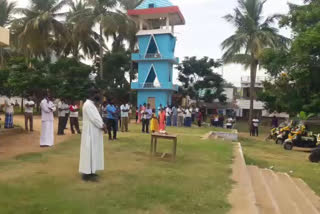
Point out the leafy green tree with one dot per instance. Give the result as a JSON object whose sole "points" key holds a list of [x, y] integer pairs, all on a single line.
{"points": [[68, 78], [117, 69], [196, 76], [253, 34], [26, 78], [295, 85], [4, 74]]}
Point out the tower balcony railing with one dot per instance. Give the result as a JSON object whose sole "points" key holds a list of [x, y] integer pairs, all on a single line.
{"points": [[154, 57], [155, 31], [163, 86]]}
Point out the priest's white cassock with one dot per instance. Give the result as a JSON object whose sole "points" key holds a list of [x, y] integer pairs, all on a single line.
{"points": [[91, 150], [47, 135]]}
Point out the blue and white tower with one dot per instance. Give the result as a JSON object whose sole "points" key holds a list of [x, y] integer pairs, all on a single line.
{"points": [[156, 20]]}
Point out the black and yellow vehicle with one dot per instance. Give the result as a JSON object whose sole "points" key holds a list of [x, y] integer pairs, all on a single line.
{"points": [[315, 154], [300, 138], [274, 132], [283, 134]]}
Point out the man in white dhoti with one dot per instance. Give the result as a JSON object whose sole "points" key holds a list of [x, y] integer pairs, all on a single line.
{"points": [[91, 151], [47, 109]]}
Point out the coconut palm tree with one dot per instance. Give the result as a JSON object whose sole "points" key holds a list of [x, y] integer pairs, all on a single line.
{"points": [[130, 35], [6, 11], [253, 34], [81, 36], [39, 26], [104, 15]]}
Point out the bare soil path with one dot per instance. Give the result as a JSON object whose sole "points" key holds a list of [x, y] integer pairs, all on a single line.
{"points": [[27, 142]]}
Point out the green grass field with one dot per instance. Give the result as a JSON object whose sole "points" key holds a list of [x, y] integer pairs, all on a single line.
{"points": [[198, 182], [268, 154]]}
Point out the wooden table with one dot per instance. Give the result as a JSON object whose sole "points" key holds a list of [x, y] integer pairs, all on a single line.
{"points": [[154, 142]]}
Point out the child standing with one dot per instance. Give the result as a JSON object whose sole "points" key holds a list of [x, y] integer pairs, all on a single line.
{"points": [[162, 120], [154, 122]]}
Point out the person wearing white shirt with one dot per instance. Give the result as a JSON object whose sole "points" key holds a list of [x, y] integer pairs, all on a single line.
{"points": [[62, 110], [229, 123], [124, 108], [180, 116], [28, 114], [9, 110], [168, 115], [74, 118], [188, 118], [47, 109], [255, 126]]}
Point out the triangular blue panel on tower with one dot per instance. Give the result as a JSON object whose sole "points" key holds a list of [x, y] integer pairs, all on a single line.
{"points": [[146, 4], [152, 49], [151, 77]]}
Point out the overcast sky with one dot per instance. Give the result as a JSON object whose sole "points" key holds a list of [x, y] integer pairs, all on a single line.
{"points": [[205, 29]]}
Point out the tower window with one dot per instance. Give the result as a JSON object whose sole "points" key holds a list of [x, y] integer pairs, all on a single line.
{"points": [[151, 5], [152, 51]]}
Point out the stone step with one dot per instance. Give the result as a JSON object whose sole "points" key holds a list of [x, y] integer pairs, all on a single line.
{"points": [[265, 201], [309, 193], [242, 196], [280, 193], [296, 195]]}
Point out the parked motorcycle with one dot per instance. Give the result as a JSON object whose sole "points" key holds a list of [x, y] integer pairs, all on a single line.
{"points": [[283, 134], [300, 138]]}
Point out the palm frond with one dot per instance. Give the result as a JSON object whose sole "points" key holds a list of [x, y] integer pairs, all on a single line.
{"points": [[6, 12], [253, 34]]}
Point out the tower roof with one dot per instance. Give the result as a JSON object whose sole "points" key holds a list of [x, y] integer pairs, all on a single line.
{"points": [[156, 4], [157, 8]]}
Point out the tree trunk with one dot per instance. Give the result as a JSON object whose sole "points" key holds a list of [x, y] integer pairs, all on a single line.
{"points": [[101, 52], [1, 58], [130, 81], [253, 74], [22, 105]]}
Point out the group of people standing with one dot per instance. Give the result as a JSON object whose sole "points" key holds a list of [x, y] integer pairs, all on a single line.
{"points": [[114, 116], [9, 113], [167, 116], [66, 111]]}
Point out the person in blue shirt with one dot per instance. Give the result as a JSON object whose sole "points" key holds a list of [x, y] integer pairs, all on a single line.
{"points": [[111, 123], [147, 115]]}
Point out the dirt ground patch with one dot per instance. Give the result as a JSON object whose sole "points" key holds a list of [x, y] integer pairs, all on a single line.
{"points": [[27, 142]]}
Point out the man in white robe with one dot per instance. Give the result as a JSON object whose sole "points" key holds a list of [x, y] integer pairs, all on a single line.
{"points": [[47, 109], [91, 150]]}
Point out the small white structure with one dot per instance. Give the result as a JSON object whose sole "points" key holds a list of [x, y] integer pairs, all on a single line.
{"points": [[4, 37], [258, 107]]}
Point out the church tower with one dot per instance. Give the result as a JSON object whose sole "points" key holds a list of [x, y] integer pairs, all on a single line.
{"points": [[156, 20]]}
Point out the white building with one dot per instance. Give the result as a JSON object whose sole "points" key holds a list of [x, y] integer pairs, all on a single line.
{"points": [[243, 102]]}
